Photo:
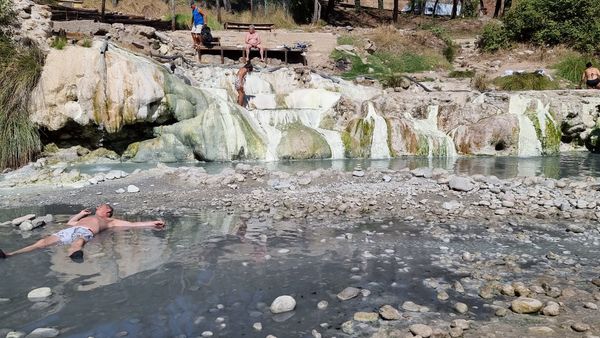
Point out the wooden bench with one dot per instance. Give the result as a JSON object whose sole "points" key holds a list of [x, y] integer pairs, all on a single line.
{"points": [[216, 47], [241, 26]]}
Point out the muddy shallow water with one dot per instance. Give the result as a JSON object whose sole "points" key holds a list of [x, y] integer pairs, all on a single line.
{"points": [[216, 272]]}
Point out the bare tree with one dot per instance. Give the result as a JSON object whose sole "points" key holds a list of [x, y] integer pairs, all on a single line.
{"points": [[435, 5], [227, 5], [395, 11], [317, 12], [252, 8], [380, 4], [498, 7], [219, 11], [454, 9], [357, 5], [102, 10], [173, 25]]}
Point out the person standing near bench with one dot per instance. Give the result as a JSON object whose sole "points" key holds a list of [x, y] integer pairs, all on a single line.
{"points": [[253, 41], [198, 20]]}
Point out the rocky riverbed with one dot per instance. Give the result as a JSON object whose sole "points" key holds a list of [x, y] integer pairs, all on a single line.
{"points": [[408, 253]]}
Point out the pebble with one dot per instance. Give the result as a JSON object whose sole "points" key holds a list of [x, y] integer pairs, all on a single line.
{"points": [[16, 334], [315, 334], [540, 330], [461, 183], [591, 306], [132, 188], [526, 305], [461, 308], [39, 294], [283, 303], [120, 191], [26, 226], [551, 309], [501, 312], [412, 307], [348, 293], [443, 295], [43, 332], [207, 334], [421, 330], [388, 312], [358, 173], [366, 316], [580, 327], [22, 219], [322, 305], [257, 326], [463, 324]]}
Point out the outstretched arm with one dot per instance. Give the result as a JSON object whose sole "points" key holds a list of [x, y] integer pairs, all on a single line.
{"points": [[119, 223], [73, 220]]}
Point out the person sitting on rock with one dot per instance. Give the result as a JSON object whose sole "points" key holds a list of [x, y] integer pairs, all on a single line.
{"points": [[591, 77], [240, 80], [82, 229], [198, 20], [253, 41]]}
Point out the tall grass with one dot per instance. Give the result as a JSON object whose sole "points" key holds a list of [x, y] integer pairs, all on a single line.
{"points": [[274, 14], [525, 82], [20, 69], [572, 65]]}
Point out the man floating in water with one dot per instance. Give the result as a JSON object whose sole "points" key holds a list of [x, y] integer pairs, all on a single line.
{"points": [[82, 229]]}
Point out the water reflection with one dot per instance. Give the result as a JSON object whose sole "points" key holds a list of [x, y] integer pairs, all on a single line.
{"points": [[564, 165]]}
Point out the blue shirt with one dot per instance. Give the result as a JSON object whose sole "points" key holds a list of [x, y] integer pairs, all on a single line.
{"points": [[198, 17]]}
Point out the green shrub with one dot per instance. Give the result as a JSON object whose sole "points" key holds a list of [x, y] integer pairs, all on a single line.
{"points": [[479, 82], [470, 8], [457, 74], [450, 51], [346, 40], [493, 38], [59, 42], [572, 65], [571, 22], [19, 74], [529, 81], [87, 42]]}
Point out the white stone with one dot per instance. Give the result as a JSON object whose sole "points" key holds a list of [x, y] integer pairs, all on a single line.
{"points": [[22, 219], [283, 304], [257, 326], [39, 294], [322, 305], [132, 188], [43, 332]]}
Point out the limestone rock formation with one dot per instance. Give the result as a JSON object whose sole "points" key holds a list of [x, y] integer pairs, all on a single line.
{"points": [[128, 103]]}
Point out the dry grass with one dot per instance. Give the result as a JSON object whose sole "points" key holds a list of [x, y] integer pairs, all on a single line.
{"points": [[389, 39]]}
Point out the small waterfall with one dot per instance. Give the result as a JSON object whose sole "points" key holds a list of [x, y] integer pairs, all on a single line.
{"points": [[272, 119], [529, 143], [436, 139], [379, 145]]}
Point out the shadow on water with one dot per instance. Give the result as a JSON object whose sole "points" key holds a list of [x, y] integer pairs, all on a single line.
{"points": [[564, 165]]}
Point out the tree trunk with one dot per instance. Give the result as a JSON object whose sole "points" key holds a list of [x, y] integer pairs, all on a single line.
{"points": [[482, 8], [227, 5], [413, 4], [173, 25], [498, 7], [380, 4], [395, 11], [454, 9], [252, 8], [219, 12], [102, 10], [330, 9], [422, 5], [435, 7], [357, 5], [316, 12], [507, 5], [265, 9]]}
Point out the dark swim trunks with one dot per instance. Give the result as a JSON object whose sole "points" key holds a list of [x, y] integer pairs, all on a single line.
{"points": [[593, 83]]}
